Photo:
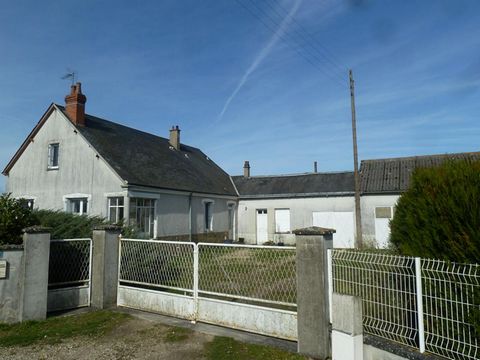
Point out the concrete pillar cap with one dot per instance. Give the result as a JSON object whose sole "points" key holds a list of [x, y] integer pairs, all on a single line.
{"points": [[36, 229], [314, 230], [107, 227]]}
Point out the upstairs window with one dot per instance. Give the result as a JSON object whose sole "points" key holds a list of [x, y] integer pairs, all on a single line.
{"points": [[77, 206], [115, 209], [53, 156], [208, 215]]}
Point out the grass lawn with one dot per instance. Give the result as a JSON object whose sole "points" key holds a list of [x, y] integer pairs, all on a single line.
{"points": [[104, 338], [56, 329], [223, 348]]}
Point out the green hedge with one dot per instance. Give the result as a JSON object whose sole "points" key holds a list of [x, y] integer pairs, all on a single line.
{"points": [[439, 215], [14, 217]]}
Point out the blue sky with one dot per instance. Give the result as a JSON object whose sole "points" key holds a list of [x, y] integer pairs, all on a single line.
{"points": [[264, 81]]}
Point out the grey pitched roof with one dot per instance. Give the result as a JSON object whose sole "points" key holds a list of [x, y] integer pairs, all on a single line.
{"points": [[393, 175], [144, 159], [297, 185]]}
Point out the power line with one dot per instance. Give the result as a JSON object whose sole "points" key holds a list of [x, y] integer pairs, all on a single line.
{"points": [[277, 24], [338, 82], [304, 33]]}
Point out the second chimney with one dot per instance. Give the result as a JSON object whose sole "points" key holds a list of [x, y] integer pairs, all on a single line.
{"points": [[75, 105], [315, 167], [175, 137], [246, 169]]}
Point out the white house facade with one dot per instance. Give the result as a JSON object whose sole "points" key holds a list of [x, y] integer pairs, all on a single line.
{"points": [[82, 164]]}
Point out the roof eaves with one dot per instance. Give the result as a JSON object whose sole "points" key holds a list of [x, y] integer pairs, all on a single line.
{"points": [[62, 111], [28, 139], [181, 190], [299, 195]]}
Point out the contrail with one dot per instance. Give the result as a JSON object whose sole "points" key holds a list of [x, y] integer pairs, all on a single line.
{"points": [[261, 56]]}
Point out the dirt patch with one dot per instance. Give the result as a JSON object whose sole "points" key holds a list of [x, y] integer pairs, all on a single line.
{"points": [[133, 339]]}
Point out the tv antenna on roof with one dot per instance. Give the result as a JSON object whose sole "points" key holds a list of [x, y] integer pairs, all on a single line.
{"points": [[70, 75]]}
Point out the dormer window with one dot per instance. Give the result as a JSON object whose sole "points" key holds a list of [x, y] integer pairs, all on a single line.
{"points": [[53, 156]]}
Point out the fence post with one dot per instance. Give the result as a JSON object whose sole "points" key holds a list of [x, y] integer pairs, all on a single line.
{"points": [[195, 280], [347, 328], [421, 329], [330, 282], [105, 263], [312, 291], [36, 242]]}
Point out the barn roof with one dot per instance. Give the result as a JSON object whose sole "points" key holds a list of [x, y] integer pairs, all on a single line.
{"points": [[296, 185], [383, 176]]}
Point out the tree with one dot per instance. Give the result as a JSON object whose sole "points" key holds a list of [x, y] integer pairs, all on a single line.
{"points": [[14, 217], [439, 215]]}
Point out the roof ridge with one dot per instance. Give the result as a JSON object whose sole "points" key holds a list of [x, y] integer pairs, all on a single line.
{"points": [[414, 157], [130, 128], [297, 174]]}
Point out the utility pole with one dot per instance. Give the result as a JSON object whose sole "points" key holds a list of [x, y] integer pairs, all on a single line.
{"points": [[358, 216]]}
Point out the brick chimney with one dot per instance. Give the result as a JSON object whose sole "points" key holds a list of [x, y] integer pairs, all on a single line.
{"points": [[246, 169], [75, 105], [175, 137]]}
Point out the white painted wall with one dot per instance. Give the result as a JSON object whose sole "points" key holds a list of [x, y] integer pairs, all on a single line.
{"points": [[301, 210], [342, 221], [368, 205], [80, 171]]}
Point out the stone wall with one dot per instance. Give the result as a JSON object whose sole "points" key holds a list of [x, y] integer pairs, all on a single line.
{"points": [[11, 287]]}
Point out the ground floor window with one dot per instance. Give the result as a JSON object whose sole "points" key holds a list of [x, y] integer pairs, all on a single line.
{"points": [[77, 205], [142, 216], [27, 203], [116, 209], [208, 215], [282, 220]]}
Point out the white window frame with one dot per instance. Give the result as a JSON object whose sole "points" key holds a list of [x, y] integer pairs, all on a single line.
{"points": [[153, 233], [392, 211], [211, 204], [51, 146], [69, 197], [232, 205], [117, 207], [277, 230]]}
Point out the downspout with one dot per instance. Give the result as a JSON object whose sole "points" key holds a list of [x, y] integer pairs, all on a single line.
{"points": [[190, 217]]}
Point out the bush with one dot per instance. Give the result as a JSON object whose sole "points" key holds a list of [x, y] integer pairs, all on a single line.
{"points": [[14, 217], [439, 215], [67, 226]]}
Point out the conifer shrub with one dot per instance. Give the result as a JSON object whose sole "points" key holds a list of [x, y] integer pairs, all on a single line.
{"points": [[439, 215], [14, 217], [64, 225]]}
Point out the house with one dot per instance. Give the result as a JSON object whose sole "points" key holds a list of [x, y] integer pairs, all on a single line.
{"points": [[382, 183], [270, 207], [82, 164]]}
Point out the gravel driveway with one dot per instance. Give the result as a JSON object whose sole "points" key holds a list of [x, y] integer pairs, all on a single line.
{"points": [[134, 339]]}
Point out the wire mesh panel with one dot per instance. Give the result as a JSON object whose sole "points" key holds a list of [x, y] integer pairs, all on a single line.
{"points": [[386, 285], [69, 263], [451, 301], [157, 264], [249, 273]]}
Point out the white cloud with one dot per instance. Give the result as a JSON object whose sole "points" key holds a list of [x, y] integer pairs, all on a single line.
{"points": [[261, 55]]}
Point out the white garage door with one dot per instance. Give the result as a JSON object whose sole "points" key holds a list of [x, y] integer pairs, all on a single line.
{"points": [[342, 222]]}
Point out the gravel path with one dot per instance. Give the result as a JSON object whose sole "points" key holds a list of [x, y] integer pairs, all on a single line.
{"points": [[134, 339]]}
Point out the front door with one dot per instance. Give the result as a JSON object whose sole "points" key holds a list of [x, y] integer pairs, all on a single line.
{"points": [[262, 226]]}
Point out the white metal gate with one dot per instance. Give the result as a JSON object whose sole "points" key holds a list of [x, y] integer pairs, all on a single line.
{"points": [[252, 288], [69, 274]]}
